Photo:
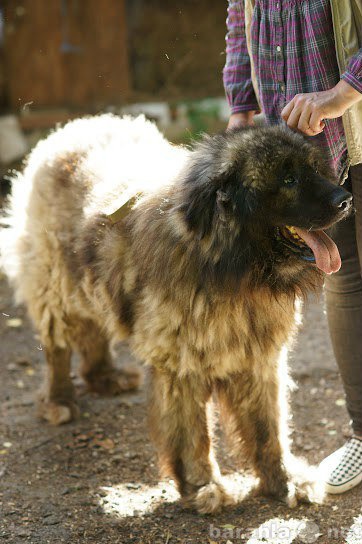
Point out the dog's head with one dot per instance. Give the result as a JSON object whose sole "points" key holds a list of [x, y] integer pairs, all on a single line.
{"points": [[270, 189]]}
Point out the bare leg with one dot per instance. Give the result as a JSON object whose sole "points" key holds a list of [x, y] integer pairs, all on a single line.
{"points": [[56, 402], [181, 432], [96, 363], [257, 413]]}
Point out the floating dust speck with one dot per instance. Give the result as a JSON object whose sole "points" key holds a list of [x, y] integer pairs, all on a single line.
{"points": [[27, 105]]}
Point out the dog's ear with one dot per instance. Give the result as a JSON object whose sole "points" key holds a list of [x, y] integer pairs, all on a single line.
{"points": [[214, 188], [207, 204], [236, 201], [199, 209]]}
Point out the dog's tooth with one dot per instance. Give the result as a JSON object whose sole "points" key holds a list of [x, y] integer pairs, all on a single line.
{"points": [[294, 235]]}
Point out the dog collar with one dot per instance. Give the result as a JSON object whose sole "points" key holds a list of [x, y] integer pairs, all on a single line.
{"points": [[124, 210]]}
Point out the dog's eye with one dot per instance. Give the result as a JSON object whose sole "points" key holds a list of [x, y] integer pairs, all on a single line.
{"points": [[290, 181]]}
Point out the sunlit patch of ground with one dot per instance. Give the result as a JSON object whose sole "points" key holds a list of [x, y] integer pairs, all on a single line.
{"points": [[354, 535], [136, 499], [285, 531], [273, 531], [129, 499]]}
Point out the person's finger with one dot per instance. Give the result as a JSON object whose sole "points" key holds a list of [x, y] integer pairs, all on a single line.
{"points": [[286, 111], [294, 116], [305, 124], [316, 121], [304, 121]]}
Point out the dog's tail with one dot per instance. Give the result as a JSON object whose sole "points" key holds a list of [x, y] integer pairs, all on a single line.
{"points": [[13, 228]]}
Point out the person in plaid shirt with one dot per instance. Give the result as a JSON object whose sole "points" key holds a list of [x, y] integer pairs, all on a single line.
{"points": [[294, 65]]}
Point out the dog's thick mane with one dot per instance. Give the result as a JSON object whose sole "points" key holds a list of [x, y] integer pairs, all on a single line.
{"points": [[211, 230]]}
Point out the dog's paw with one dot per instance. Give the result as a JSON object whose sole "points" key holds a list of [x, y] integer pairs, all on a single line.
{"points": [[300, 482], [57, 413], [209, 499], [114, 382], [304, 482], [309, 489]]}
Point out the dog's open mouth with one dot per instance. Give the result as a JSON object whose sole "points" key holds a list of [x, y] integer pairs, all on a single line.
{"points": [[314, 246]]}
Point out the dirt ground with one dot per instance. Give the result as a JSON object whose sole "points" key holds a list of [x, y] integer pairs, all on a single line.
{"points": [[96, 480]]}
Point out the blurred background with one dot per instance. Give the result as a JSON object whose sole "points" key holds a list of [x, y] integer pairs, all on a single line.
{"points": [[60, 59]]}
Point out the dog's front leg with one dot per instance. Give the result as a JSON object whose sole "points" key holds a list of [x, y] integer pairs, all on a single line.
{"points": [[180, 426], [257, 412]]}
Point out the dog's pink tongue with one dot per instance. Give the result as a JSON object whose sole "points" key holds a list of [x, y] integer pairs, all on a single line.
{"points": [[325, 251]]}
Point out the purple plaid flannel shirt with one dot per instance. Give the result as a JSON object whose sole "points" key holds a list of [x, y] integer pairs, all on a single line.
{"points": [[293, 50]]}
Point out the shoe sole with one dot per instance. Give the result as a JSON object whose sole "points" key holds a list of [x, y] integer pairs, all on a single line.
{"points": [[346, 486]]}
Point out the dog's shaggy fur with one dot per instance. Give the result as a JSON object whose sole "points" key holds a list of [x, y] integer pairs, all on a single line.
{"points": [[195, 277]]}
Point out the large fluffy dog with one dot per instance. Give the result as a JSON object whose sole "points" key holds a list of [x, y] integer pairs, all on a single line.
{"points": [[201, 274]]}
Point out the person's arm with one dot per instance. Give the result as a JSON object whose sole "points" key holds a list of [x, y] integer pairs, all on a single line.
{"points": [[237, 72], [307, 111], [353, 73]]}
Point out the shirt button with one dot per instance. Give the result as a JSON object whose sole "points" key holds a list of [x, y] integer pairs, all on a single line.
{"points": [[279, 48], [282, 87]]}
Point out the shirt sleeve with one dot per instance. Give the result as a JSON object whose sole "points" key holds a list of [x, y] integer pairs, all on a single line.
{"points": [[237, 71], [353, 74]]}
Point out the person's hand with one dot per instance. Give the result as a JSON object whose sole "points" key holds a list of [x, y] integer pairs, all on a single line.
{"points": [[241, 119], [307, 111]]}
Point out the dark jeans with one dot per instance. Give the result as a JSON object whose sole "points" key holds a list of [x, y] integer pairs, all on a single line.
{"points": [[344, 302]]}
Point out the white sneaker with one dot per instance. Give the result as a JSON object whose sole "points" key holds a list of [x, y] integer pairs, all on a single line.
{"points": [[342, 470]]}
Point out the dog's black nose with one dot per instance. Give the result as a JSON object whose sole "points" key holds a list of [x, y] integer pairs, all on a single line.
{"points": [[341, 199]]}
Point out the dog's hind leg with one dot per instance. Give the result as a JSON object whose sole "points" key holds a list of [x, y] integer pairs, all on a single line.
{"points": [[180, 426], [97, 368], [56, 401]]}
